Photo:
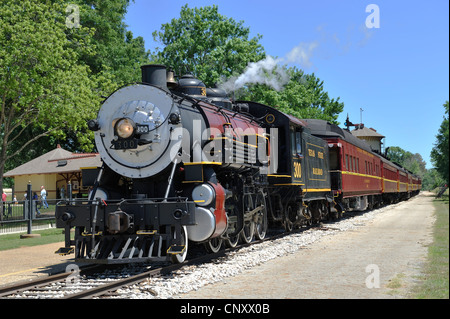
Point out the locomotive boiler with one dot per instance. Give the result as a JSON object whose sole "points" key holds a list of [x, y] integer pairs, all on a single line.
{"points": [[162, 143]]}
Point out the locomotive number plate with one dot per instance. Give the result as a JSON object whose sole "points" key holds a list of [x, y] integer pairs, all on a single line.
{"points": [[142, 129], [124, 144]]}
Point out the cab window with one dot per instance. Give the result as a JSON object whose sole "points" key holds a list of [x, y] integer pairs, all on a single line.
{"points": [[293, 150], [298, 139], [296, 143]]}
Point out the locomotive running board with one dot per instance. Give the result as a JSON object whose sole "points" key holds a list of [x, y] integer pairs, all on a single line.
{"points": [[63, 251], [176, 249]]}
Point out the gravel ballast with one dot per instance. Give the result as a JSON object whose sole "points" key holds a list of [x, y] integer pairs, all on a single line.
{"points": [[193, 278]]}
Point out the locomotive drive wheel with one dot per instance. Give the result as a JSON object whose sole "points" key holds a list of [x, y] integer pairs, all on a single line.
{"points": [[232, 242], [288, 224], [261, 222], [179, 258], [248, 232], [213, 245]]}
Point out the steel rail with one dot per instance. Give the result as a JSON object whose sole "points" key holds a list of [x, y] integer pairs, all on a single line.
{"points": [[113, 286], [117, 284], [39, 282]]}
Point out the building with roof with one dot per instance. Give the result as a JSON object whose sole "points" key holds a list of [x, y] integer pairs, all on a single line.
{"points": [[53, 170], [370, 135]]}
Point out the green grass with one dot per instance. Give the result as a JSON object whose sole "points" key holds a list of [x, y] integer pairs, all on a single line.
{"points": [[48, 236], [435, 280]]}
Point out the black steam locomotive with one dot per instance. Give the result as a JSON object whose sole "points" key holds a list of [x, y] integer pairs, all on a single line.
{"points": [[183, 163]]}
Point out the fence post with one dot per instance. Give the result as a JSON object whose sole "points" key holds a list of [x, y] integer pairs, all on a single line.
{"points": [[30, 207], [29, 203], [69, 191]]}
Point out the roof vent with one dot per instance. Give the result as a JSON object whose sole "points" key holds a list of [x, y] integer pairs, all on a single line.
{"points": [[62, 163]]}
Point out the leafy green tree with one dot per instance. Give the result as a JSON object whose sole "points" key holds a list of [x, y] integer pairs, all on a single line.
{"points": [[412, 162], [440, 152], [118, 55], [113, 58], [215, 48], [303, 97], [432, 179], [207, 44], [399, 155], [42, 85]]}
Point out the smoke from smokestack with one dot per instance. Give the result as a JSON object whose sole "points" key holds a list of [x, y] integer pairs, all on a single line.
{"points": [[266, 71], [271, 71], [302, 54]]}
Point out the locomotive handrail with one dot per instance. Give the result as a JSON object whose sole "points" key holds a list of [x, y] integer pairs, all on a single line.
{"points": [[154, 199]]}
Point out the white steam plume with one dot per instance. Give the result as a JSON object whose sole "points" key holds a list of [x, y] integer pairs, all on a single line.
{"points": [[270, 71], [266, 71], [302, 54]]}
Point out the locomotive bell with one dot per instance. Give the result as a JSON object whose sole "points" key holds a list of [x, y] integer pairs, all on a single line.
{"points": [[170, 79]]}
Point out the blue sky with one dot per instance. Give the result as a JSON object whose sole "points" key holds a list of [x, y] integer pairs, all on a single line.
{"points": [[397, 73]]}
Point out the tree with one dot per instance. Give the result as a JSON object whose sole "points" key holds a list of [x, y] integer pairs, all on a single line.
{"points": [[113, 58], [217, 50], [42, 85], [303, 97], [412, 162], [440, 152], [432, 179], [117, 53], [395, 154], [207, 44]]}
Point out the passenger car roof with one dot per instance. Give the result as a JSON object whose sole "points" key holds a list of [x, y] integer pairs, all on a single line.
{"points": [[325, 129]]}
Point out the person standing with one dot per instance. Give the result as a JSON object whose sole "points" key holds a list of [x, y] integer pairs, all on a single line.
{"points": [[36, 201], [3, 202], [44, 197]]}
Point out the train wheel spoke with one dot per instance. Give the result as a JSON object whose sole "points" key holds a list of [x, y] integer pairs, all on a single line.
{"points": [[248, 232], [213, 245], [261, 222]]}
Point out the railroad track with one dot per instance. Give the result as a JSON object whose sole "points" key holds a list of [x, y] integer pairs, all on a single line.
{"points": [[40, 283], [88, 282], [91, 281], [99, 280], [109, 288]]}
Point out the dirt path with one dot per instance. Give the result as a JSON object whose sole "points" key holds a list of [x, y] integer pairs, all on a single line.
{"points": [[28, 263], [378, 260]]}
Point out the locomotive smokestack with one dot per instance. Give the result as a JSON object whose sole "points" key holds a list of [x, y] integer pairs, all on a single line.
{"points": [[155, 74]]}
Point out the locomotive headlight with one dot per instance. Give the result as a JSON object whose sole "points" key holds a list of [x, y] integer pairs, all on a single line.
{"points": [[125, 128]]}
